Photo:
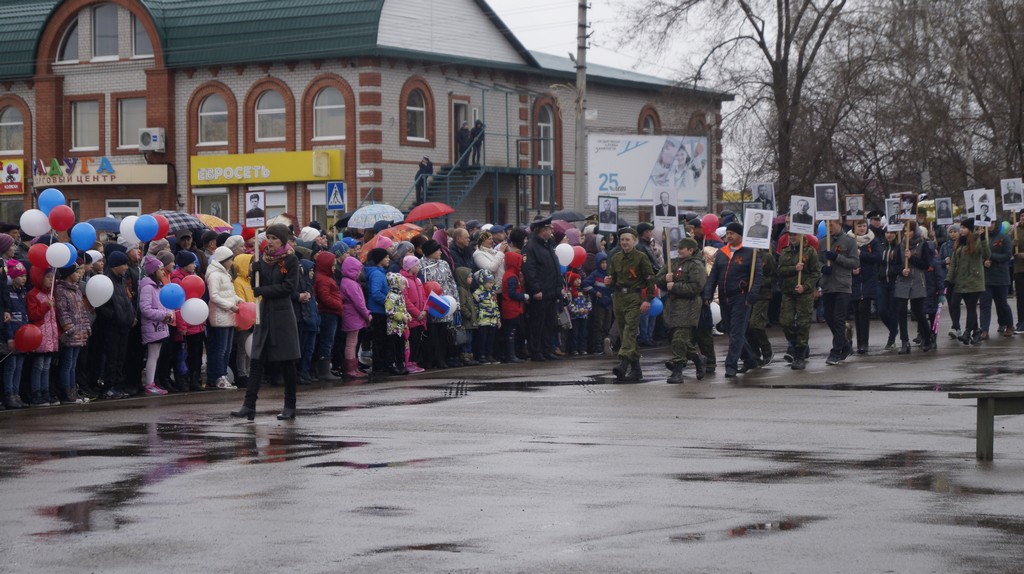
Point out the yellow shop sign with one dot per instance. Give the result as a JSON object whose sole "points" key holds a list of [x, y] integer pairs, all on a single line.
{"points": [[273, 167]]}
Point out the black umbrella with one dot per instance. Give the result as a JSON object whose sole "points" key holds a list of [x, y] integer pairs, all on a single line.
{"points": [[341, 220], [568, 215]]}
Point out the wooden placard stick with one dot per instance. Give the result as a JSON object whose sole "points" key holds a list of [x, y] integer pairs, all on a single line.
{"points": [[256, 276], [753, 267], [800, 274]]}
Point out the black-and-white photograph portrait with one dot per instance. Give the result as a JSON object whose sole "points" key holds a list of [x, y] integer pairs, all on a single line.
{"points": [[892, 214], [255, 212], [980, 205], [826, 199], [854, 207], [801, 215], [665, 206], [908, 207], [757, 228], [944, 211], [1012, 197], [607, 214], [764, 194]]}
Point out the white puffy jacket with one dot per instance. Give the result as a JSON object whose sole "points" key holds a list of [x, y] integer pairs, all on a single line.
{"points": [[222, 295]]}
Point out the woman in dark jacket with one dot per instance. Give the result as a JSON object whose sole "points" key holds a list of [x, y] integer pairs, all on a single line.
{"points": [[865, 282], [889, 269], [276, 336]]}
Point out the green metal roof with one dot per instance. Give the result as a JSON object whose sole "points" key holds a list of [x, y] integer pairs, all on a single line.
{"points": [[23, 22]]}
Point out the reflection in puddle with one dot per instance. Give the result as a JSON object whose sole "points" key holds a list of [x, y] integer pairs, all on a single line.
{"points": [[759, 529], [387, 511], [437, 547]]}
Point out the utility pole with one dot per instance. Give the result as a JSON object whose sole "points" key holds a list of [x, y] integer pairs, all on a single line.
{"points": [[581, 109]]}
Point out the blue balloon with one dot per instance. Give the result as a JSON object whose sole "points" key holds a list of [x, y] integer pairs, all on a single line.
{"points": [[146, 229], [656, 307], [50, 197], [563, 268], [74, 254], [236, 229], [83, 235], [172, 296], [822, 229]]}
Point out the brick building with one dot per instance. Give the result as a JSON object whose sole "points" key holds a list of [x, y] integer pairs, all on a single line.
{"points": [[284, 96]]}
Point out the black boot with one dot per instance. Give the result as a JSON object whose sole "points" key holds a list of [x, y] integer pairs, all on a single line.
{"points": [[905, 349], [699, 365], [621, 369], [510, 349], [287, 414], [634, 375], [799, 363], [676, 378], [244, 413]]}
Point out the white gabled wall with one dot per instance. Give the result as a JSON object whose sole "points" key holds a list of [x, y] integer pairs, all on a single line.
{"points": [[456, 27]]}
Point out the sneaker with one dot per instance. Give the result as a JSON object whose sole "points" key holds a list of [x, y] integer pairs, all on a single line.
{"points": [[767, 359], [224, 383], [413, 368], [890, 345], [716, 333], [53, 400], [1019, 329], [71, 397], [956, 333], [606, 348], [833, 359], [788, 357], [39, 401], [152, 390]]}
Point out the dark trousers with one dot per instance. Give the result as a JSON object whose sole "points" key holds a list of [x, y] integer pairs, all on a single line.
{"points": [[953, 298], [115, 349], [395, 355], [861, 311], [541, 324], [887, 308], [917, 310], [1018, 289], [194, 357], [338, 350], [134, 353], [483, 342], [599, 327], [835, 317], [997, 294], [379, 335], [415, 344], [971, 304], [435, 348], [576, 338], [257, 372], [735, 315]]}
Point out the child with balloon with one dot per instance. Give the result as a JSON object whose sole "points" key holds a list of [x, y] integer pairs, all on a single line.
{"points": [[42, 314], [192, 335], [75, 329], [17, 307], [156, 321]]}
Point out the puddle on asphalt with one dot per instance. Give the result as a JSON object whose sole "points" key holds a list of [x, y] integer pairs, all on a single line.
{"points": [[944, 484], [366, 465], [934, 387], [758, 529], [436, 547], [386, 511]]}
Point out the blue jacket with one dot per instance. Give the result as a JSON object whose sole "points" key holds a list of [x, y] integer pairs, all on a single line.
{"points": [[18, 308], [308, 315], [731, 276], [594, 283], [376, 288]]}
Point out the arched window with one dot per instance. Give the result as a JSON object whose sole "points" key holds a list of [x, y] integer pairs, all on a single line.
{"points": [[12, 131], [270, 118], [416, 116], [69, 46], [104, 31], [213, 121], [649, 121], [545, 151], [648, 125], [329, 114], [141, 44]]}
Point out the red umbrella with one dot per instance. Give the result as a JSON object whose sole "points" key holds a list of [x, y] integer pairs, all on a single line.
{"points": [[429, 210]]}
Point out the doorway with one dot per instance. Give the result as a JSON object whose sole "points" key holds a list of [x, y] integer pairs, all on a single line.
{"points": [[460, 113]]}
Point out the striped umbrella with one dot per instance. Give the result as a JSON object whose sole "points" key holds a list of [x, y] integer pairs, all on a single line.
{"points": [[213, 222]]}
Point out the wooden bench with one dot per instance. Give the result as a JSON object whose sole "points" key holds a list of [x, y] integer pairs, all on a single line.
{"points": [[991, 404]]}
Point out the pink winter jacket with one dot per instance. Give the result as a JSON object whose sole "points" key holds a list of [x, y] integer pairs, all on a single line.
{"points": [[42, 315], [354, 314], [415, 300]]}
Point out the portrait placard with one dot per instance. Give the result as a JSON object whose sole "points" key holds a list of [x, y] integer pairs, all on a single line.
{"points": [[764, 194], [255, 209], [908, 207], [801, 215], [854, 207], [892, 215], [826, 201], [757, 228], [608, 214], [944, 211], [1012, 194]]}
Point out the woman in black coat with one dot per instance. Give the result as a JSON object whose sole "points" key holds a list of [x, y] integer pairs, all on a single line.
{"points": [[276, 337]]}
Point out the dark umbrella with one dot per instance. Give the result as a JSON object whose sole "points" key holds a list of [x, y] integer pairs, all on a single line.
{"points": [[568, 215], [341, 220], [105, 224], [181, 221]]}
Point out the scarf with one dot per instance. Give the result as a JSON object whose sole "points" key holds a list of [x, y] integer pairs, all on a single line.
{"points": [[862, 240], [278, 257]]}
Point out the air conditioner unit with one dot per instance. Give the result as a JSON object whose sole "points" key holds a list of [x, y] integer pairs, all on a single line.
{"points": [[151, 139]]}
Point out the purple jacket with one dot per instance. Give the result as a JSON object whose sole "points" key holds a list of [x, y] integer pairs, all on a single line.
{"points": [[72, 316], [154, 326], [354, 314]]}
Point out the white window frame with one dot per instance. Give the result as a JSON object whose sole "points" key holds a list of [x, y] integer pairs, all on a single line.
{"points": [[317, 109], [72, 29], [263, 113], [74, 126], [106, 57], [124, 210], [546, 148], [317, 193], [132, 138], [203, 114], [421, 111], [208, 191], [136, 28], [3, 124]]}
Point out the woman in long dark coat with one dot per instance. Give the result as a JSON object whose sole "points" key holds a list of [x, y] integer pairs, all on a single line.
{"points": [[276, 338]]}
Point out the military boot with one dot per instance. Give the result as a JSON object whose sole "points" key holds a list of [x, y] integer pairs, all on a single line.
{"points": [[799, 363], [699, 365], [634, 375], [621, 369], [676, 378]]}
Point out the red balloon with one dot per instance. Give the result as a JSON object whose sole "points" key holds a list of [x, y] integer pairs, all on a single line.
{"points": [[28, 338], [37, 255], [431, 287], [246, 315], [579, 255], [709, 223], [163, 227], [62, 218], [194, 287]]}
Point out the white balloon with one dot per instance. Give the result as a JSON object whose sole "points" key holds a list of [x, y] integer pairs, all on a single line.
{"points": [[564, 253], [35, 222], [248, 344], [453, 305], [99, 290], [128, 228], [716, 313], [57, 255], [195, 311]]}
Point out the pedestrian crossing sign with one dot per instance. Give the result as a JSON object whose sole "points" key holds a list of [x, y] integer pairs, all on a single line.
{"points": [[336, 195]]}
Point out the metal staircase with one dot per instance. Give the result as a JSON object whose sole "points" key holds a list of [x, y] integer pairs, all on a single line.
{"points": [[451, 184]]}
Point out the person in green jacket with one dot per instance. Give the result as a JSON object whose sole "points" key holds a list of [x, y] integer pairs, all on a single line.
{"points": [[757, 335], [798, 278], [631, 278], [683, 279], [997, 283], [967, 272]]}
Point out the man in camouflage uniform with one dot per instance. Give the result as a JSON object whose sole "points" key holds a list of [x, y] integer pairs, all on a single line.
{"points": [[684, 279], [797, 311], [757, 335], [631, 278]]}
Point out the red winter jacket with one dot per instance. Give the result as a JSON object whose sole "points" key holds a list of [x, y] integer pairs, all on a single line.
{"points": [[325, 289], [513, 300]]}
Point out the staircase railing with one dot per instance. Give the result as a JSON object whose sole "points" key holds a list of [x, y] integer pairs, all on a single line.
{"points": [[462, 158]]}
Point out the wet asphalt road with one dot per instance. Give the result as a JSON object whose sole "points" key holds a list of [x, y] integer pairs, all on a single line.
{"points": [[863, 467]]}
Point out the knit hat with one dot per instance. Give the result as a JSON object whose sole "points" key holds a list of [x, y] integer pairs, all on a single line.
{"points": [[117, 259], [339, 248], [6, 241], [280, 231], [166, 258], [308, 234], [235, 242], [431, 247], [248, 233], [376, 255], [65, 272], [110, 248], [184, 259], [222, 254], [644, 227], [384, 242], [409, 262], [968, 224], [381, 226], [150, 264], [736, 228], [15, 268], [483, 276], [686, 243]]}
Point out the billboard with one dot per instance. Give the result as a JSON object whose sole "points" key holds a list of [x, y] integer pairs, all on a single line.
{"points": [[637, 169]]}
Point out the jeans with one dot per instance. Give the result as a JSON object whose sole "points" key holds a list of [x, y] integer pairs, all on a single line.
{"points": [[735, 315], [307, 342], [12, 373], [887, 310], [328, 326], [996, 294], [577, 337], [68, 360], [218, 346], [647, 323], [41, 374], [835, 315], [483, 342]]}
